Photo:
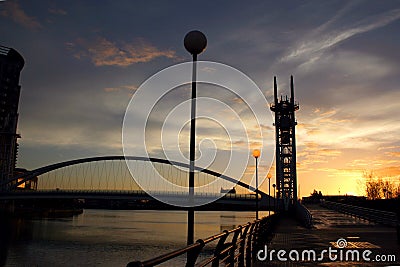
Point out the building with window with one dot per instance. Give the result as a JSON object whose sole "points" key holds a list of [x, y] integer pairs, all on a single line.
{"points": [[11, 64]]}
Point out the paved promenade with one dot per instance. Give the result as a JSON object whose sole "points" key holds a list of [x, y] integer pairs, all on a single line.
{"points": [[356, 236]]}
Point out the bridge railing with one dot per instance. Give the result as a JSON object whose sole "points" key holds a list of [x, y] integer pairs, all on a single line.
{"points": [[237, 246], [378, 216], [303, 215], [130, 192]]}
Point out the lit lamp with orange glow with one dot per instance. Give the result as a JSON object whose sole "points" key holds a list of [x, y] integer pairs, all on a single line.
{"points": [[256, 155]]}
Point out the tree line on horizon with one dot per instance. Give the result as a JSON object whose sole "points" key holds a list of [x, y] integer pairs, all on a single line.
{"points": [[381, 188]]}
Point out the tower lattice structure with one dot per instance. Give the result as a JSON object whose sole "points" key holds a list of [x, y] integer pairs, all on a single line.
{"points": [[285, 135]]}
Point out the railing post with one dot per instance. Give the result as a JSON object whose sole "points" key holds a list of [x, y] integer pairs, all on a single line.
{"points": [[194, 254], [255, 244], [242, 245], [219, 248], [249, 244], [233, 248], [246, 240]]}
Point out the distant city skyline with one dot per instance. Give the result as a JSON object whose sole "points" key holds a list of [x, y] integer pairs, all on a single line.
{"points": [[85, 59]]}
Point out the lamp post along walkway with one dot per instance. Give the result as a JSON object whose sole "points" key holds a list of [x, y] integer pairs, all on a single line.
{"points": [[269, 193], [256, 155], [195, 42]]}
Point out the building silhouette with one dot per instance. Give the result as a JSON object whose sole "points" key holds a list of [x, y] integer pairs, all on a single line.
{"points": [[11, 64]]}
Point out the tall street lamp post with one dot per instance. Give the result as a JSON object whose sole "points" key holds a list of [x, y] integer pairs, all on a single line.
{"points": [[269, 193], [195, 42], [256, 154], [274, 185]]}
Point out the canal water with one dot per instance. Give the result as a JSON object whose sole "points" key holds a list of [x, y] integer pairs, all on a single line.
{"points": [[106, 237]]}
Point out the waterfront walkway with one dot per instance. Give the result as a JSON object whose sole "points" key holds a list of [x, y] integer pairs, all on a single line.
{"points": [[329, 226]]}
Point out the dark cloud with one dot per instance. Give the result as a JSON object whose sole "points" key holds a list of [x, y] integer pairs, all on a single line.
{"points": [[57, 11], [12, 10], [82, 69]]}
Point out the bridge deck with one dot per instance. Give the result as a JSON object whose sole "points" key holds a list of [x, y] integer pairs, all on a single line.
{"points": [[329, 226]]}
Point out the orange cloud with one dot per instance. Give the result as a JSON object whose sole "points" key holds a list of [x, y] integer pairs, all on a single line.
{"points": [[238, 100], [388, 147], [265, 127], [131, 88], [328, 113], [393, 154], [389, 172], [313, 154], [309, 128], [104, 52], [13, 11], [238, 143], [330, 152]]}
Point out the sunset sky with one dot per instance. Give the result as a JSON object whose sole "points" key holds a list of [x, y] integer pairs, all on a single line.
{"points": [[85, 59]]}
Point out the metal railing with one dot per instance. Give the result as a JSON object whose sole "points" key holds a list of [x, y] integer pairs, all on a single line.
{"points": [[377, 216], [303, 215], [131, 192], [238, 246]]}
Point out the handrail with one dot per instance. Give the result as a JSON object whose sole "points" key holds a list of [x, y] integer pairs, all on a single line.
{"points": [[107, 191], [378, 216], [246, 240], [303, 215]]}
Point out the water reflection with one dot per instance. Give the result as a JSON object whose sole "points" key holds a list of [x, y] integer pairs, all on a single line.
{"points": [[105, 237]]}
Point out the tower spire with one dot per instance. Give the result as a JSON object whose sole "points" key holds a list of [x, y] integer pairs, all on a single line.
{"points": [[291, 89], [275, 91]]}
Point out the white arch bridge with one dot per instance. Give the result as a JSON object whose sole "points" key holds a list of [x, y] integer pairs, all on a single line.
{"points": [[108, 177]]}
